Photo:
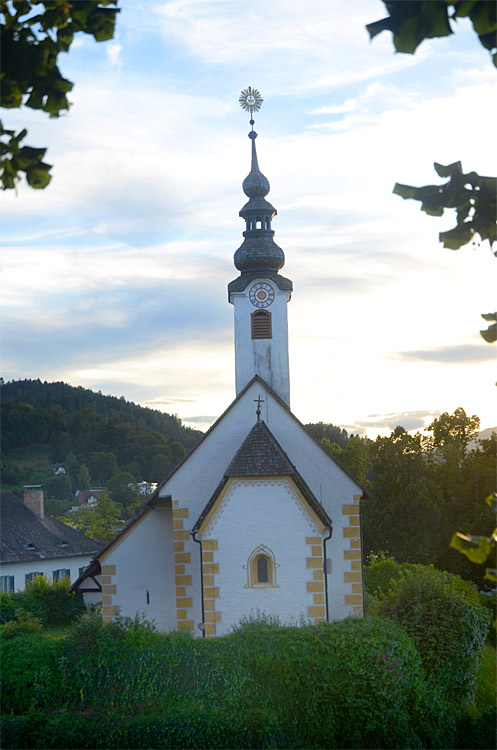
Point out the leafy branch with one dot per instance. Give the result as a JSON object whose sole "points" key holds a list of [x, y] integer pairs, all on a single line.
{"points": [[473, 196], [33, 35]]}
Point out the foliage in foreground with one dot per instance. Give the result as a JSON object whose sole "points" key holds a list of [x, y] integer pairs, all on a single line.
{"points": [[47, 600], [34, 33], [445, 619], [352, 683]]}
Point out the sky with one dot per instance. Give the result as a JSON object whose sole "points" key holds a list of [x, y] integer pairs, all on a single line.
{"points": [[114, 277]]}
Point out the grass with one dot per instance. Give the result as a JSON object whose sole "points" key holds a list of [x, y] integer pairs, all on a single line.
{"points": [[29, 456]]}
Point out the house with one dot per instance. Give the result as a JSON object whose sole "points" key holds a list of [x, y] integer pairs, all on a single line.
{"points": [[258, 517], [89, 497], [33, 543], [58, 469], [146, 488]]}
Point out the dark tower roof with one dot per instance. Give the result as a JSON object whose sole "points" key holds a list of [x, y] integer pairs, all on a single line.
{"points": [[259, 254]]}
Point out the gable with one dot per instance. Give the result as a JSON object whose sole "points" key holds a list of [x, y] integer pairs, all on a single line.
{"points": [[269, 498], [195, 480]]}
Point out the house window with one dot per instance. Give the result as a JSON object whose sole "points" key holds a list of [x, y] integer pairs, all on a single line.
{"points": [[31, 576], [6, 584], [61, 574], [261, 324], [261, 568]]}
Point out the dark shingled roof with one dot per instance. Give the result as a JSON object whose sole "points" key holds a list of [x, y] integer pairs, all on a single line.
{"points": [[241, 282], [26, 537], [260, 456]]}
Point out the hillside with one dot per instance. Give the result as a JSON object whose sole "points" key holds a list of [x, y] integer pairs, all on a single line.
{"points": [[100, 440], [43, 395]]}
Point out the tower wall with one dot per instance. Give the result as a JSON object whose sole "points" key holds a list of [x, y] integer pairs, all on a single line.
{"points": [[266, 357]]}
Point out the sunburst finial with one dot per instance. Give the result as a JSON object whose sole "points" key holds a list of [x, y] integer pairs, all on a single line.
{"points": [[250, 100]]}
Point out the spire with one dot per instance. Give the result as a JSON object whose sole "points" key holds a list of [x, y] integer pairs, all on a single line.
{"points": [[259, 252]]}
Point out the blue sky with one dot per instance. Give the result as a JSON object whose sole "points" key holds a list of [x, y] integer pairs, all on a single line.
{"points": [[114, 277]]}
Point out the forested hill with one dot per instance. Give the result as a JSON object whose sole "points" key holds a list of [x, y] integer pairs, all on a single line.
{"points": [[101, 441], [43, 395]]}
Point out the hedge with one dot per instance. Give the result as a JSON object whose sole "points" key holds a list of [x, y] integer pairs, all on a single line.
{"points": [[446, 621]]}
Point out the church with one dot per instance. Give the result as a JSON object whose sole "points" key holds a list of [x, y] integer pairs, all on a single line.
{"points": [[259, 517]]}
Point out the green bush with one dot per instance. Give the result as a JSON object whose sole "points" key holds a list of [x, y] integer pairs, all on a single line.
{"points": [[351, 683], [187, 727], [7, 607], [25, 622], [31, 675], [447, 623], [489, 601], [50, 601], [380, 572], [477, 732]]}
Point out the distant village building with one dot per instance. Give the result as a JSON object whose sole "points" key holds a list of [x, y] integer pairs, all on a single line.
{"points": [[33, 543], [258, 517], [58, 469], [146, 488], [89, 497]]}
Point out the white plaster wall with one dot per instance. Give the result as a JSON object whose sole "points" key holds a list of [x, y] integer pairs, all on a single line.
{"points": [[253, 513], [144, 561], [195, 481], [265, 357], [46, 567]]}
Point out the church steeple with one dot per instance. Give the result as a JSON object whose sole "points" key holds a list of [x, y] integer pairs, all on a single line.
{"points": [[259, 251], [260, 294]]}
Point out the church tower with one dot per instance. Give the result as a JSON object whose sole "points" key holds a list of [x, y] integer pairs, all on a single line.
{"points": [[259, 294]]}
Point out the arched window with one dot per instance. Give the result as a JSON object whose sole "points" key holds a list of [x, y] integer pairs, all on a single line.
{"points": [[261, 568], [261, 324]]}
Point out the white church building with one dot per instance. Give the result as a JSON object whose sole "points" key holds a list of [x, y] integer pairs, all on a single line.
{"points": [[258, 517]]}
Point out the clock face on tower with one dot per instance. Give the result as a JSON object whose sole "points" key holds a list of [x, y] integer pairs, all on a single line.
{"points": [[261, 294]]}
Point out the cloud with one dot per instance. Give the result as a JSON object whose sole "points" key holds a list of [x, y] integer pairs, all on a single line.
{"points": [[465, 354], [205, 419], [410, 420]]}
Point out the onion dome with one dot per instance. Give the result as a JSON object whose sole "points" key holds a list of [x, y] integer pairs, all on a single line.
{"points": [[259, 252]]}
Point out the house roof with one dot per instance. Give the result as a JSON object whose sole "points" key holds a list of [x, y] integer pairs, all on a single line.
{"points": [[261, 455], [84, 495], [26, 537]]}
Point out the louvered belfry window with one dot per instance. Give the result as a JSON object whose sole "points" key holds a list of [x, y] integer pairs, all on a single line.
{"points": [[261, 324]]}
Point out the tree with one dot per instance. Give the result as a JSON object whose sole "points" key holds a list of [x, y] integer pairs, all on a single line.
{"points": [[479, 548], [102, 520], [123, 490], [102, 466], [320, 430], [354, 457], [59, 487], [427, 488], [471, 195], [414, 21], [33, 35]]}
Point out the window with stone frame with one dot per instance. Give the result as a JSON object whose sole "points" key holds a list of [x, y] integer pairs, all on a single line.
{"points": [[261, 568]]}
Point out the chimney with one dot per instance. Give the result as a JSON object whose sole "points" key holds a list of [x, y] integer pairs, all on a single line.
{"points": [[34, 499]]}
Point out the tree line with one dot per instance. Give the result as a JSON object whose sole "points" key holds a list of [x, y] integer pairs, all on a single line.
{"points": [[425, 488]]}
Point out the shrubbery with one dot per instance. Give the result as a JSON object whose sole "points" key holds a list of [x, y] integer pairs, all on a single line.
{"points": [[443, 616], [50, 601], [353, 683]]}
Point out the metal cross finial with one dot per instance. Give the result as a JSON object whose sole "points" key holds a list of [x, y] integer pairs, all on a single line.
{"points": [[258, 401], [250, 100]]}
